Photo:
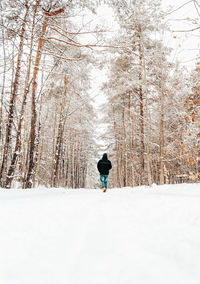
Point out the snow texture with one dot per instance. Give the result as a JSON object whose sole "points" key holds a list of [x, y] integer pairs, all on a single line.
{"points": [[124, 236]]}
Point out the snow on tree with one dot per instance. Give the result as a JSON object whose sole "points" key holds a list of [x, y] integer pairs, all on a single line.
{"points": [[49, 64], [146, 94]]}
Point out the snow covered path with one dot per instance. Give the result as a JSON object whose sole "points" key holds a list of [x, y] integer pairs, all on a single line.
{"points": [[124, 236]]}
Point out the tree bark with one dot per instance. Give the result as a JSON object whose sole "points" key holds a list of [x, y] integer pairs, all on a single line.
{"points": [[13, 98], [17, 149], [59, 136], [141, 112], [116, 149], [30, 174], [124, 148], [161, 139], [131, 181], [3, 78]]}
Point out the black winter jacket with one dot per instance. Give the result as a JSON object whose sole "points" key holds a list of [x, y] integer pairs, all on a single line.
{"points": [[104, 165]]}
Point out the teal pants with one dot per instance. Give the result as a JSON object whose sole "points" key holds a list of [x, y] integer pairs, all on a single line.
{"points": [[104, 180]]}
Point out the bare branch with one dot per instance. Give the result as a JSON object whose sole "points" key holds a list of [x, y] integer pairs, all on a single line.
{"points": [[89, 45], [80, 33], [179, 7], [185, 31]]}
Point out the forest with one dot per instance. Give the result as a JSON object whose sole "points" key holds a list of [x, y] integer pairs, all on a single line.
{"points": [[49, 124]]}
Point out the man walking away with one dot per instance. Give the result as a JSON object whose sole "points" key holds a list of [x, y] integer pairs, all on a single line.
{"points": [[103, 166]]}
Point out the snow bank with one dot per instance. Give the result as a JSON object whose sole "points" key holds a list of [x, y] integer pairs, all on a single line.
{"points": [[125, 236]]}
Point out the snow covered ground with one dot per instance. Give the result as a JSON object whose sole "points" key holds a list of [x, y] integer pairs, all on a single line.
{"points": [[125, 236]]}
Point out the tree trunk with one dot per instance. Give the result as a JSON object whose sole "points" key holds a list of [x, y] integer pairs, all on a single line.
{"points": [[116, 151], [161, 139], [13, 98], [131, 180], [124, 148], [59, 136], [30, 174], [3, 78], [77, 161], [141, 112], [17, 150], [148, 125]]}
